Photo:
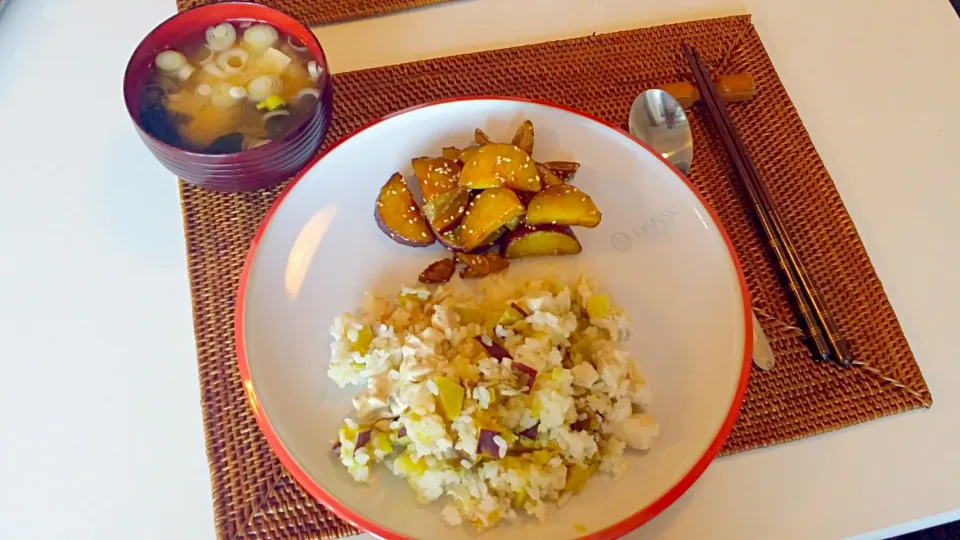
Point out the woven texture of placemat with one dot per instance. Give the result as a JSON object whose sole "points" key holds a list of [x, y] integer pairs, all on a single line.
{"points": [[255, 498], [328, 11]]}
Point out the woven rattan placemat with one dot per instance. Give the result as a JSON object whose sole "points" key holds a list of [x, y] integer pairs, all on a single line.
{"points": [[328, 11], [601, 74]]}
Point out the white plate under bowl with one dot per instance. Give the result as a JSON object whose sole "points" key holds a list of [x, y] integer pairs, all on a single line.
{"points": [[659, 252]]}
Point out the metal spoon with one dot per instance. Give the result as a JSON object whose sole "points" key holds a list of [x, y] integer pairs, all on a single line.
{"points": [[658, 120]]}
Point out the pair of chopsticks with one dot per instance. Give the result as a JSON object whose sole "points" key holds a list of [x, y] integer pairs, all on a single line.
{"points": [[828, 343]]}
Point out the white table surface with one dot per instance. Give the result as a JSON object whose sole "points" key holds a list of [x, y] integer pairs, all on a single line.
{"points": [[101, 434]]}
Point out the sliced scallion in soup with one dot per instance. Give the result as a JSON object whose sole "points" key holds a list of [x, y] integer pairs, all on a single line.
{"points": [[230, 87]]}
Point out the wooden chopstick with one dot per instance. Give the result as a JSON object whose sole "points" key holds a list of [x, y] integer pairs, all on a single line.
{"points": [[823, 331]]}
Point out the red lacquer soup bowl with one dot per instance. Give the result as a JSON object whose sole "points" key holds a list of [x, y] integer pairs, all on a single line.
{"points": [[244, 170]]}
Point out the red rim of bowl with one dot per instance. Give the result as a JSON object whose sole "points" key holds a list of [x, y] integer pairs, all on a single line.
{"points": [[318, 54], [614, 531]]}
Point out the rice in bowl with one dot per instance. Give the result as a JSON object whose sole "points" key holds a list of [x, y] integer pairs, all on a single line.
{"points": [[497, 401]]}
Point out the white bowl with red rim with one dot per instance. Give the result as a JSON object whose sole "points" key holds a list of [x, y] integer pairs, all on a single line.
{"points": [[659, 252]]}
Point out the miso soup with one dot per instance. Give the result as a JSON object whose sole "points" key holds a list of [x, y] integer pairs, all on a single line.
{"points": [[233, 87]]}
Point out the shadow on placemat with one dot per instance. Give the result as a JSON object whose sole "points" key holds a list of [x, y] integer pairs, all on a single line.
{"points": [[253, 496]]}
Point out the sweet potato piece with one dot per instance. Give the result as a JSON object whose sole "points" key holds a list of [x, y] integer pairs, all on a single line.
{"points": [[481, 264], [492, 348], [487, 242], [525, 197], [526, 376], [523, 139], [496, 165], [398, 217], [518, 309], [563, 205], [362, 439], [547, 177], [512, 315], [529, 241], [487, 444], [437, 175], [451, 241], [467, 154], [481, 138], [563, 169], [530, 432], [446, 210], [438, 272], [494, 237], [449, 397], [452, 153], [486, 214]]}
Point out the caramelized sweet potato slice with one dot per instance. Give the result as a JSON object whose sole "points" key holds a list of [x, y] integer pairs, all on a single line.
{"points": [[523, 139], [439, 272], [452, 153], [547, 177], [525, 197], [496, 165], [563, 205], [481, 264], [467, 154], [529, 241], [563, 169], [398, 217], [437, 175], [451, 241], [446, 210], [487, 213], [481, 138], [492, 238]]}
